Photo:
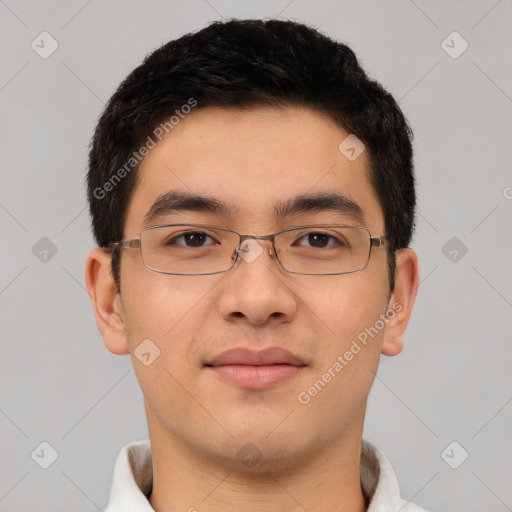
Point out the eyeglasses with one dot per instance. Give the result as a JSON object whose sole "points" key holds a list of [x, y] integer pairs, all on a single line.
{"points": [[194, 249]]}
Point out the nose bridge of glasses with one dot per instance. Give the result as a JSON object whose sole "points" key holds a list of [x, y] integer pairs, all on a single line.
{"points": [[249, 247]]}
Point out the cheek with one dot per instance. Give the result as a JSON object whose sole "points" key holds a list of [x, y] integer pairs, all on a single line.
{"points": [[349, 330], [344, 305], [172, 312], [168, 311], [342, 376], [157, 305], [352, 308]]}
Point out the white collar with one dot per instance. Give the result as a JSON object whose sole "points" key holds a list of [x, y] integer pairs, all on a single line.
{"points": [[133, 476]]}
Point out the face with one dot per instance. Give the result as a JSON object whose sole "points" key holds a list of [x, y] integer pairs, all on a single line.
{"points": [[251, 163]]}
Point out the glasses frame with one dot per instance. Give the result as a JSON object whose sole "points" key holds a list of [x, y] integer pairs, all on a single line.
{"points": [[135, 243]]}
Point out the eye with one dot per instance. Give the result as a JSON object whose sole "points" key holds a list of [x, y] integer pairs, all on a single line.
{"points": [[317, 240], [192, 239]]}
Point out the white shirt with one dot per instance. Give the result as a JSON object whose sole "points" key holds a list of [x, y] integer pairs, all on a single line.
{"points": [[133, 477]]}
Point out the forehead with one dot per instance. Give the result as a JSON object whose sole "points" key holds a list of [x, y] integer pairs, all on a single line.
{"points": [[254, 163]]}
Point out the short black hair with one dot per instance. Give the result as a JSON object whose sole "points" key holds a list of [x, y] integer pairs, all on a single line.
{"points": [[245, 64]]}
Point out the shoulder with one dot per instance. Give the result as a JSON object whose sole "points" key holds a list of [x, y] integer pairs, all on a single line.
{"points": [[381, 484], [408, 506]]}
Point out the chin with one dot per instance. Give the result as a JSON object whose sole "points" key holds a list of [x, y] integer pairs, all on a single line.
{"points": [[257, 457]]}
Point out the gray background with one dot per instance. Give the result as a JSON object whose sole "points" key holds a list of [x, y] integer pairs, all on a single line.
{"points": [[451, 383]]}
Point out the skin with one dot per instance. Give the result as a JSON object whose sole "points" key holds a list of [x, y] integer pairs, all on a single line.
{"points": [[198, 422]]}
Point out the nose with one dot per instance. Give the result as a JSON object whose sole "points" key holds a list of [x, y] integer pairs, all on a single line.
{"points": [[255, 291]]}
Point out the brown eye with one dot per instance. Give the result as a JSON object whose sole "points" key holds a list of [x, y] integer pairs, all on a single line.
{"points": [[318, 239], [195, 239], [192, 239]]}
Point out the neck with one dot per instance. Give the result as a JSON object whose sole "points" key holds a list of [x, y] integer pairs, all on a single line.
{"points": [[184, 480]]}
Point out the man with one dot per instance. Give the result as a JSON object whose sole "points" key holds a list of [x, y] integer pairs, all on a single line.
{"points": [[252, 196]]}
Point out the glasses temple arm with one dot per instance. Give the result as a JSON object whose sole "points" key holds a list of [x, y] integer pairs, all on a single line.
{"points": [[126, 244], [378, 242]]}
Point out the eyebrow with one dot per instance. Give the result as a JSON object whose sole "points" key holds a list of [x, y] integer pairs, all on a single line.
{"points": [[175, 202], [320, 202]]}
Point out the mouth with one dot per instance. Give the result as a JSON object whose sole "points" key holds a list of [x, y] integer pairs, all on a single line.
{"points": [[256, 369]]}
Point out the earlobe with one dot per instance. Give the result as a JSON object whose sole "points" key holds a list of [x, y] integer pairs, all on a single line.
{"points": [[401, 301], [105, 301]]}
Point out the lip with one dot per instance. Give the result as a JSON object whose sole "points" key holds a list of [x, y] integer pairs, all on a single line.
{"points": [[256, 369]]}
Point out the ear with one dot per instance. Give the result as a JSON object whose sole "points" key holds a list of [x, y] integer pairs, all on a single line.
{"points": [[106, 302], [401, 301]]}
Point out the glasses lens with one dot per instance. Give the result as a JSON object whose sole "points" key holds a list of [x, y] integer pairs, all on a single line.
{"points": [[188, 249], [323, 249]]}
